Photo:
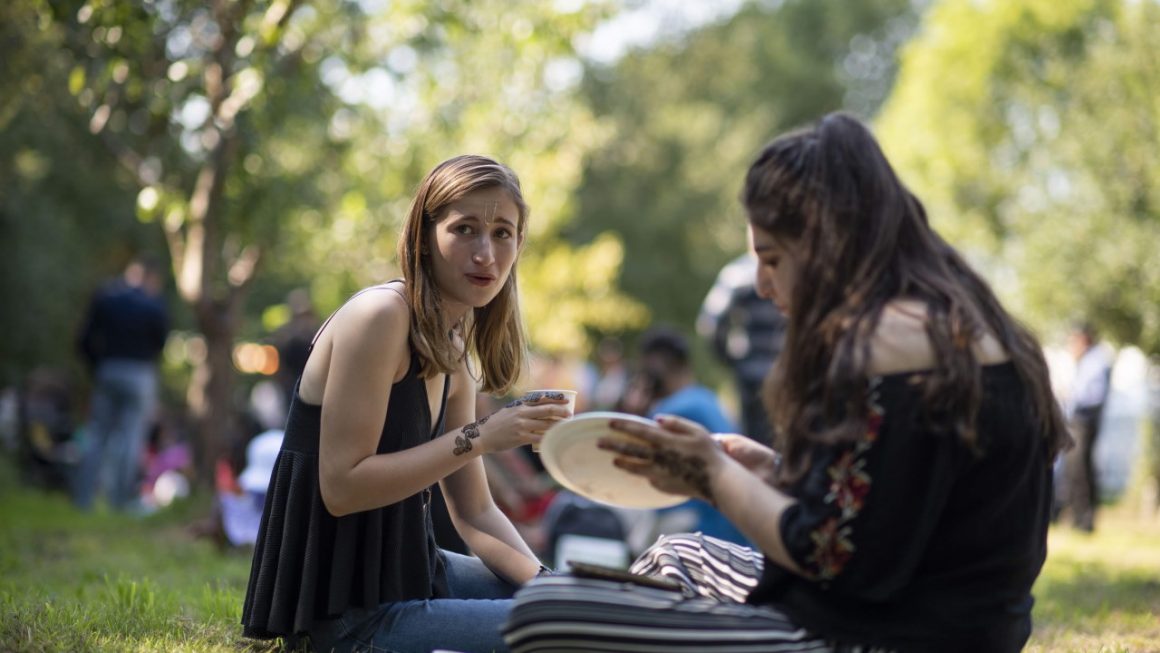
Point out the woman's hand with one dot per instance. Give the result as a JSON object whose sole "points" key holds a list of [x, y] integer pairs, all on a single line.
{"points": [[678, 456], [750, 454], [521, 422]]}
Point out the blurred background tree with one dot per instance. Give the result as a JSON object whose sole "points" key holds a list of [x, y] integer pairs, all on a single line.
{"points": [[66, 217], [289, 135], [688, 113], [1030, 129], [273, 144]]}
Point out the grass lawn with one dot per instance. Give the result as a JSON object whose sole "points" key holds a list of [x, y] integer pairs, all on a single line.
{"points": [[71, 581], [1101, 592], [99, 582]]}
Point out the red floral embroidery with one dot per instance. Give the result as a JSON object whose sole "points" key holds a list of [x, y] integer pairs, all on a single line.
{"points": [[849, 485], [832, 548]]}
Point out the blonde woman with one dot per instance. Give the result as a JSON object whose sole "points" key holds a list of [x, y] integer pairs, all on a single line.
{"points": [[385, 408]]}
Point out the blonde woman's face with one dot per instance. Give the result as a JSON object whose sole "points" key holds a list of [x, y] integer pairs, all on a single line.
{"points": [[777, 268], [473, 248]]}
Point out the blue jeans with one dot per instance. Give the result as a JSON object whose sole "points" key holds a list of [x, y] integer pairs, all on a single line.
{"points": [[469, 621], [123, 401]]}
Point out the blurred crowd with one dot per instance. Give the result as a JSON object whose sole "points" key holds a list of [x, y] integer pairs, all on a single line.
{"points": [[113, 438]]}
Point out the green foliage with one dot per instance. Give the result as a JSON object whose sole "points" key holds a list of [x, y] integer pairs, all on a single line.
{"points": [[1037, 154], [687, 115], [66, 217], [288, 135], [488, 77]]}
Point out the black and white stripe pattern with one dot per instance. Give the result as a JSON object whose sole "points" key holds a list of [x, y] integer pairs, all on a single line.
{"points": [[564, 613], [568, 614], [706, 566]]}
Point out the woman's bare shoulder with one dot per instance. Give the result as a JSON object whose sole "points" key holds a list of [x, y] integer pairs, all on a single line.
{"points": [[375, 315], [900, 342], [380, 302], [369, 333]]}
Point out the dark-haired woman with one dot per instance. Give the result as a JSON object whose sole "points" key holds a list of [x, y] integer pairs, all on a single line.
{"points": [[385, 409], [907, 505]]}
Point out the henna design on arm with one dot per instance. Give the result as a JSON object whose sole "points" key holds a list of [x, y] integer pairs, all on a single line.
{"points": [[470, 432]]}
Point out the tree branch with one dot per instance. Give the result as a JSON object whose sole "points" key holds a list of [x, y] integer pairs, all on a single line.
{"points": [[241, 271]]}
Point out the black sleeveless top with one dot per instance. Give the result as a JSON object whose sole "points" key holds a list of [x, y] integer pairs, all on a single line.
{"points": [[310, 565]]}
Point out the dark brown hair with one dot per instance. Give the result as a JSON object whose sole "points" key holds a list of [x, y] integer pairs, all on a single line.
{"points": [[495, 332], [864, 240]]}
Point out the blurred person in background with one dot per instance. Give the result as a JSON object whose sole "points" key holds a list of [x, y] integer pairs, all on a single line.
{"points": [[168, 464], [746, 332], [292, 340], [121, 339], [1079, 491], [611, 375]]}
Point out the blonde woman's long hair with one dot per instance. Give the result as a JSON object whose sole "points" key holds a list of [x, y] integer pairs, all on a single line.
{"points": [[493, 334]]}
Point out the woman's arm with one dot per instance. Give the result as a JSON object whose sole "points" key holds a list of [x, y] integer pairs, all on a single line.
{"points": [[485, 529], [364, 354]]}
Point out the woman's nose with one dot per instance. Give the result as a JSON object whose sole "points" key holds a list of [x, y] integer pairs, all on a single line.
{"points": [[763, 286], [483, 252]]}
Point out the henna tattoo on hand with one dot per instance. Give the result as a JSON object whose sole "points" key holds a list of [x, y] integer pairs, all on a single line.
{"points": [[470, 432], [536, 396], [689, 469]]}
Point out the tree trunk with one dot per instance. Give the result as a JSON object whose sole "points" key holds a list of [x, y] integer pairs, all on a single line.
{"points": [[211, 390]]}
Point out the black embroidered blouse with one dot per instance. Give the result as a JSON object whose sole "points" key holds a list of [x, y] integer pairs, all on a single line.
{"points": [[911, 540]]}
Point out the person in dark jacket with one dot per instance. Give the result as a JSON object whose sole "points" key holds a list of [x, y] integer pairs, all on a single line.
{"points": [[1085, 409], [121, 340]]}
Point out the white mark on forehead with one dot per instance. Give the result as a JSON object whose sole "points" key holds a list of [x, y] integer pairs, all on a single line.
{"points": [[489, 210], [486, 208]]}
